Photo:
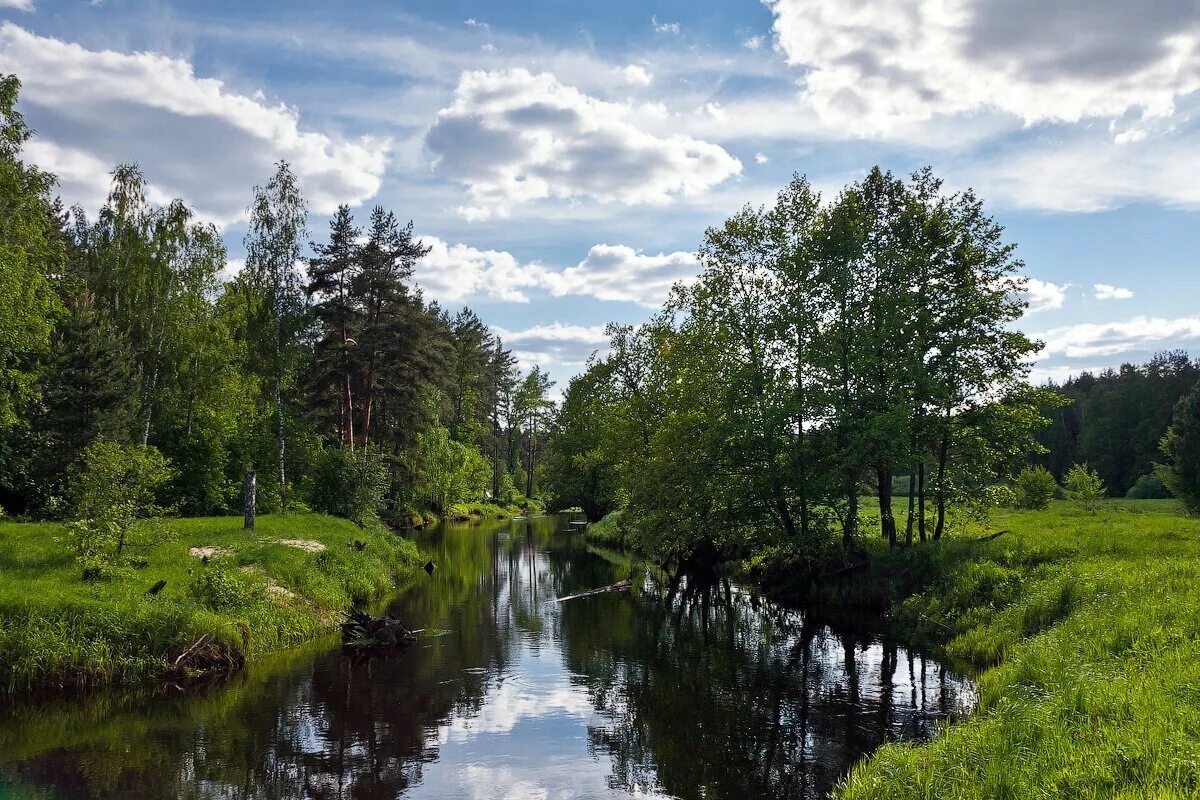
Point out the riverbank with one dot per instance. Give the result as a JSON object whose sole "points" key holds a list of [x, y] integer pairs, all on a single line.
{"points": [[229, 596], [1087, 631], [468, 512]]}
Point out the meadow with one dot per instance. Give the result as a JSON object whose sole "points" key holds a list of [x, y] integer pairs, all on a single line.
{"points": [[1085, 632], [229, 595]]}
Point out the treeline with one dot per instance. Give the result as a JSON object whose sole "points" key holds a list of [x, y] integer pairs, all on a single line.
{"points": [[326, 374], [824, 350], [1115, 422]]}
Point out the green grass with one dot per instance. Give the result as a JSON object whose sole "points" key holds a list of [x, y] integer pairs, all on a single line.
{"points": [[1086, 629], [465, 512], [58, 631]]}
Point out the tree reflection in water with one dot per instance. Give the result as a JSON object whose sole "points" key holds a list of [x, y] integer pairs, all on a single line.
{"points": [[683, 694]]}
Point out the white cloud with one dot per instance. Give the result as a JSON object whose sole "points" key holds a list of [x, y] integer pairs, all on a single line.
{"points": [[761, 158], [514, 138], [618, 272], [665, 27], [471, 22], [636, 75], [875, 63], [19, 5], [1096, 340], [556, 346], [1104, 291], [752, 42], [1044, 295], [456, 272], [1084, 171], [194, 137]]}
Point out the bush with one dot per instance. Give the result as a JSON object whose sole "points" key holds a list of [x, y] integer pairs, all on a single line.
{"points": [[1149, 487], [349, 484], [216, 589], [1084, 488], [1034, 488], [112, 489]]}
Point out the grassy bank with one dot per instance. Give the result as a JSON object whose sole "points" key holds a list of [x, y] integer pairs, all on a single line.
{"points": [[1087, 629], [467, 512], [256, 592]]}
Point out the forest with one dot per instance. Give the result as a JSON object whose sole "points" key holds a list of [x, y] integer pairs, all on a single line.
{"points": [[127, 346]]}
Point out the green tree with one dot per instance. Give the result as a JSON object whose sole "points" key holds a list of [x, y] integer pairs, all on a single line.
{"points": [[277, 227], [1083, 487], [1035, 487], [1181, 451]]}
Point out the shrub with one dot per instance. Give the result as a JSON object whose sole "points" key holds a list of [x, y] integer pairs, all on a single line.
{"points": [[112, 489], [349, 484], [1149, 487], [1034, 488], [1083, 487], [216, 588]]}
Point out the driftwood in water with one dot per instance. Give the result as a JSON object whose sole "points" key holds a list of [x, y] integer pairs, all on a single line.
{"points": [[619, 586], [362, 631]]}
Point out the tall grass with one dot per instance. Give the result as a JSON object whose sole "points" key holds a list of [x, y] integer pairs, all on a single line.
{"points": [[58, 631], [1086, 630]]}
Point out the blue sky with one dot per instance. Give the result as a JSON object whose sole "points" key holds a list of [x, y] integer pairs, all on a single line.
{"points": [[563, 159]]}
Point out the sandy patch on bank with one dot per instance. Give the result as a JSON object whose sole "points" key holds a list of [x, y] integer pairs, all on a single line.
{"points": [[207, 552], [307, 545], [276, 592]]}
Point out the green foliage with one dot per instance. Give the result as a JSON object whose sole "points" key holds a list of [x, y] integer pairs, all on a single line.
{"points": [[1149, 487], [219, 589], [1034, 488], [112, 490], [1181, 450], [1083, 487], [449, 472], [348, 483]]}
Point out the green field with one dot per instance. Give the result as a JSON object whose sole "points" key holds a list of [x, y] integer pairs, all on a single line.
{"points": [[1087, 632], [256, 594]]}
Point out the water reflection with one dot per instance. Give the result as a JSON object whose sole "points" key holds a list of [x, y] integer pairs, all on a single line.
{"points": [[647, 693]]}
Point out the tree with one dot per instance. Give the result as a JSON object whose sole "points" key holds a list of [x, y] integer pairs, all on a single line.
{"points": [[277, 227], [532, 407], [1084, 488], [331, 275], [31, 250], [1181, 451], [579, 464], [1035, 487]]}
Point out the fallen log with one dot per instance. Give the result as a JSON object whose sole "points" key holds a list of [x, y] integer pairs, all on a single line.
{"points": [[619, 586], [362, 631]]}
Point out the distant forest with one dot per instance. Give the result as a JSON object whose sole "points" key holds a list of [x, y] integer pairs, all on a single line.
{"points": [[1116, 420]]}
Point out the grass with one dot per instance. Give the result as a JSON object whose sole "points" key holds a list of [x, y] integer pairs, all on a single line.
{"points": [[255, 596], [465, 512], [1086, 632]]}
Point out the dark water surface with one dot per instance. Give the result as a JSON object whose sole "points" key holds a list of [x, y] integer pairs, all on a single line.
{"points": [[630, 694]]}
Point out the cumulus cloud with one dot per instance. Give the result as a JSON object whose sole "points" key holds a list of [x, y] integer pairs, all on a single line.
{"points": [[761, 158], [876, 63], [1044, 295], [194, 137], [19, 5], [456, 272], [556, 345], [1104, 291], [636, 75], [1096, 340], [513, 137], [618, 272]]}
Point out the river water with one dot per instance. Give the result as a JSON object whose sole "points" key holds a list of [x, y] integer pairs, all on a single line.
{"points": [[511, 695]]}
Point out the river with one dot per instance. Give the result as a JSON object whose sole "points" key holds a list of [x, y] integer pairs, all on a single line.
{"points": [[635, 694]]}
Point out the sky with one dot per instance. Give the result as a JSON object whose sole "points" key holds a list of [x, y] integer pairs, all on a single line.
{"points": [[562, 160]]}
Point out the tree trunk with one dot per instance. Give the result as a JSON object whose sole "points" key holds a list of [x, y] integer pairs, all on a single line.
{"points": [[887, 520], [908, 524], [921, 499], [280, 446], [940, 492], [249, 499], [850, 524]]}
